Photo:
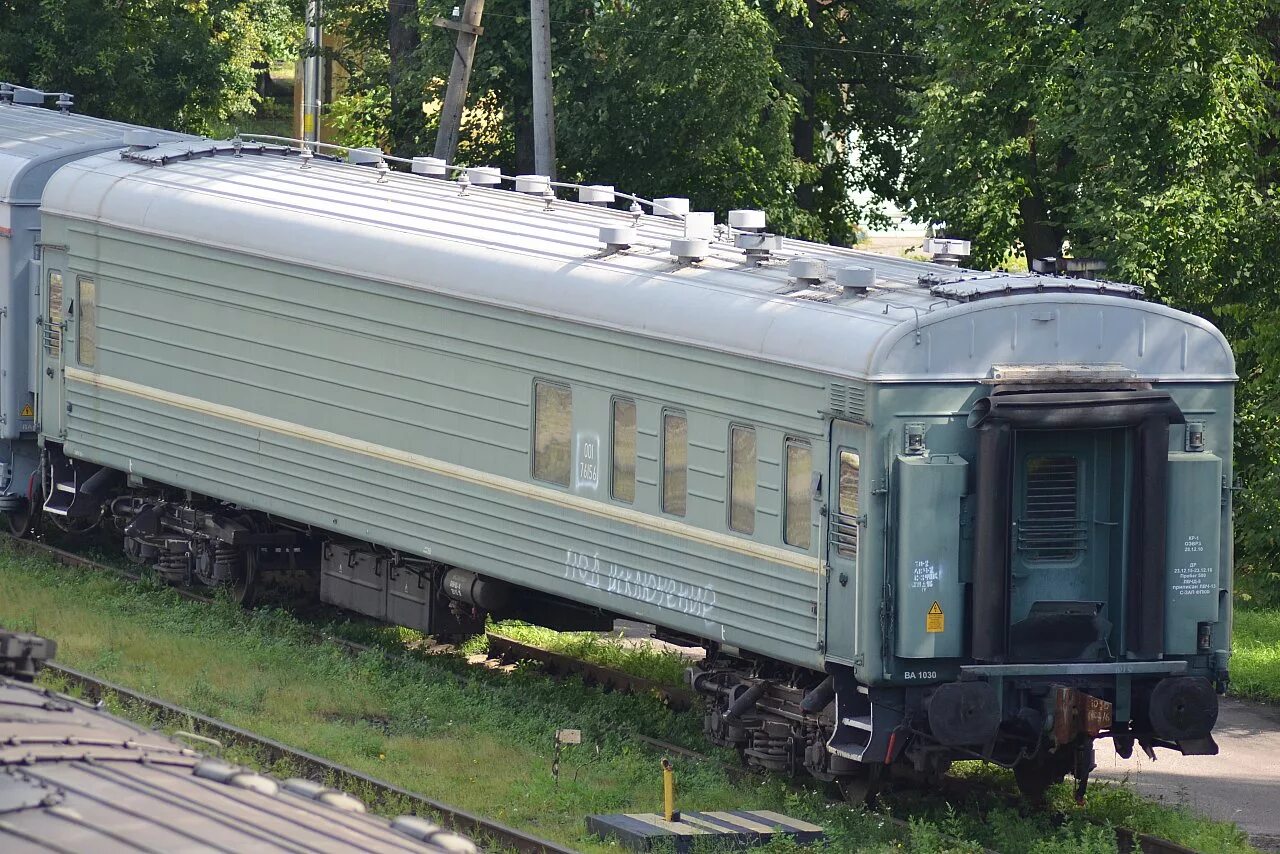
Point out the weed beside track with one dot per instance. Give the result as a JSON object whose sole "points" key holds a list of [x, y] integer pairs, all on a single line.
{"points": [[480, 739]]}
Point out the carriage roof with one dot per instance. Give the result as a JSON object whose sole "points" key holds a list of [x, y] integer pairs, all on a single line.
{"points": [[921, 321]]}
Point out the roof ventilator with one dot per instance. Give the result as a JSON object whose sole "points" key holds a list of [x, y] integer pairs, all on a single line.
{"points": [[807, 271], [855, 281], [430, 167], [671, 207], [139, 139], [366, 156], [946, 250], [617, 237], [484, 176], [533, 185], [752, 238], [600, 195], [699, 229]]}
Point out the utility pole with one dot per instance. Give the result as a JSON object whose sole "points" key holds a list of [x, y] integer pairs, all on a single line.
{"points": [[544, 118], [455, 96], [311, 77]]}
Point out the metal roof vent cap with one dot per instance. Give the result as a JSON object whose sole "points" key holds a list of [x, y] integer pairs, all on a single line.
{"points": [[431, 167], [946, 250], [485, 176], [747, 220], [617, 237], [690, 249], [758, 244], [856, 281], [672, 207], [808, 271], [366, 156], [601, 195], [534, 185], [140, 139]]}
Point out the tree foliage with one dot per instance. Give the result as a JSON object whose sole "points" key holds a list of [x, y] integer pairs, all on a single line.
{"points": [[730, 102], [186, 64], [1142, 132]]}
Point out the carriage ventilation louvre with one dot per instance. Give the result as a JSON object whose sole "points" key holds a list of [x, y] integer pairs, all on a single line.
{"points": [[1050, 530], [847, 401]]}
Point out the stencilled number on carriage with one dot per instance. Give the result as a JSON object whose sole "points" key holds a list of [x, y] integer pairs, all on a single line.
{"points": [[920, 674], [1193, 544], [587, 471]]}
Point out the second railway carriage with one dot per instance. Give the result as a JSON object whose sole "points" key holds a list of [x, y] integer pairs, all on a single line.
{"points": [[34, 143], [914, 513]]}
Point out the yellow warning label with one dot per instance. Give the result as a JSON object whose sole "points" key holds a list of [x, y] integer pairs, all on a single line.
{"points": [[27, 411], [935, 620]]}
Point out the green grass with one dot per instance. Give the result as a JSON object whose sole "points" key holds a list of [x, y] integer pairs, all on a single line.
{"points": [[479, 739], [1255, 657], [663, 666]]}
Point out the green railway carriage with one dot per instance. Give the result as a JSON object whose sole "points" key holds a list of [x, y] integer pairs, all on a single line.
{"points": [[34, 143], [913, 512]]}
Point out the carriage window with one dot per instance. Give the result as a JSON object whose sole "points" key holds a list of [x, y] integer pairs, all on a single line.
{"points": [[1050, 530], [86, 321], [845, 529], [675, 463], [53, 325], [798, 524], [624, 450], [742, 479], [552, 428]]}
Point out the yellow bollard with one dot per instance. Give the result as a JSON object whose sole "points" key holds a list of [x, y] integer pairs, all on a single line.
{"points": [[669, 812]]}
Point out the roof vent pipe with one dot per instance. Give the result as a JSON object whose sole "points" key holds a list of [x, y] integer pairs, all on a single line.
{"points": [[808, 271], [600, 195], [139, 139], [534, 185], [617, 237], [672, 207], [856, 281], [690, 249], [366, 156], [946, 250], [430, 167], [485, 176], [747, 220]]}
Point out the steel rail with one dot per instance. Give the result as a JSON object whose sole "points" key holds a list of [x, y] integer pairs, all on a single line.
{"points": [[455, 818]]}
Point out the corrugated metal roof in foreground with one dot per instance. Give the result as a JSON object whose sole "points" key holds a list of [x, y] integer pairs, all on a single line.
{"points": [[74, 779], [505, 248]]}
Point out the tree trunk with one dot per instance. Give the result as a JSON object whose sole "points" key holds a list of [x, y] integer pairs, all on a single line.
{"points": [[1040, 238], [804, 126], [403, 37]]}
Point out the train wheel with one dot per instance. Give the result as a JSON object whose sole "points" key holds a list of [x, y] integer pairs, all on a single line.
{"points": [[244, 589], [21, 522]]}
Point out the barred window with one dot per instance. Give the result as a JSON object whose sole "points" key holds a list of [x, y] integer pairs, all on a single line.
{"points": [[86, 321], [742, 479], [53, 317], [552, 432], [675, 463], [624, 450], [845, 526], [798, 522]]}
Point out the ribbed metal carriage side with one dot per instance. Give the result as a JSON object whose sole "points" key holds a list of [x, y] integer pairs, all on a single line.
{"points": [[404, 419]]}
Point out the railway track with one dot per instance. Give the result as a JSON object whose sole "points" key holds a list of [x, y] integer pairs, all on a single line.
{"points": [[482, 830], [503, 651]]}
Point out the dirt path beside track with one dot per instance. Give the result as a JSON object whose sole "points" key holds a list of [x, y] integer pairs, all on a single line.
{"points": [[1240, 784]]}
